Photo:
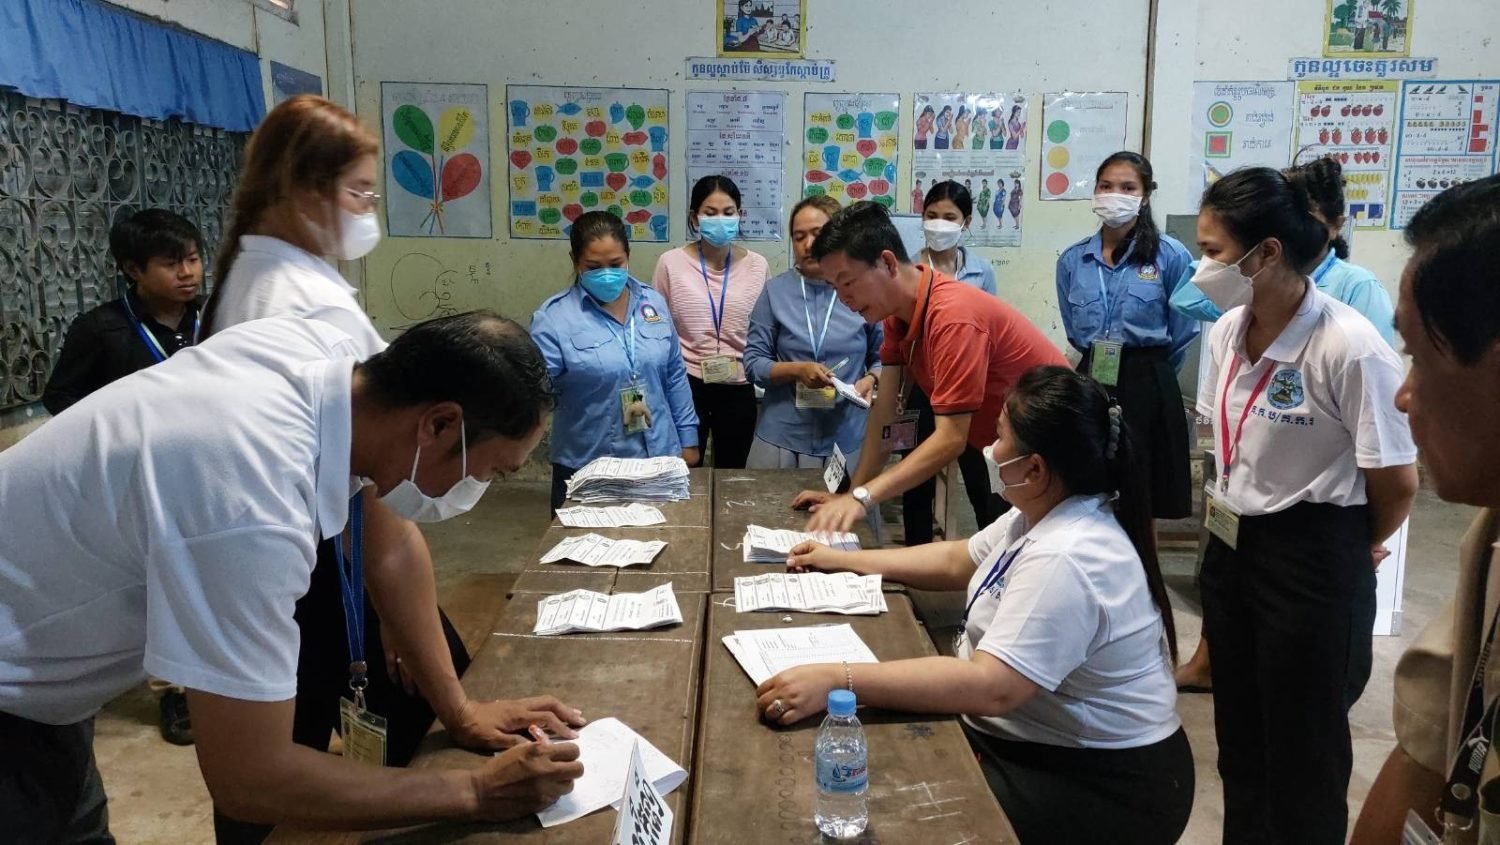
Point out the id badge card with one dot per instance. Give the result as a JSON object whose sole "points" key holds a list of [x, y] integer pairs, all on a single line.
{"points": [[901, 433], [363, 733], [815, 398], [836, 470], [1104, 361], [1221, 520], [717, 369], [633, 411], [1417, 832]]}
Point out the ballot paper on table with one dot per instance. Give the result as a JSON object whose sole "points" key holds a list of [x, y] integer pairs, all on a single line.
{"points": [[765, 652], [847, 391], [645, 818], [592, 612], [773, 545], [630, 479], [810, 592], [604, 749], [598, 550], [617, 516]]}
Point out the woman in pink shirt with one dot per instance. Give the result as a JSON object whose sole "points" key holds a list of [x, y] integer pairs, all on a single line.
{"points": [[711, 285]]}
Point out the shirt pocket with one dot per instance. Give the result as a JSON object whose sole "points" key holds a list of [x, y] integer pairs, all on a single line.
{"points": [[1145, 305], [658, 342], [596, 355], [1084, 305]]}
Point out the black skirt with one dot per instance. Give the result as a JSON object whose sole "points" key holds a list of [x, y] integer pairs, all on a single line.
{"points": [[1151, 403]]}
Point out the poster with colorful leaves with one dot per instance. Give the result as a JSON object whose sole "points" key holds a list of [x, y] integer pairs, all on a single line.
{"points": [[437, 159], [574, 150], [849, 146]]}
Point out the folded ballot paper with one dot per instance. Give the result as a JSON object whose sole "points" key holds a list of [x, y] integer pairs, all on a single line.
{"points": [[763, 653], [617, 516], [630, 480], [847, 391], [597, 550], [604, 749], [585, 611], [810, 592], [770, 545]]}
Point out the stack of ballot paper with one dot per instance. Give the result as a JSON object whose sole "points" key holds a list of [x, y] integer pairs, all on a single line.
{"points": [[618, 516], [597, 550], [605, 748], [764, 653], [847, 391], [630, 479], [810, 592], [769, 545], [591, 612]]}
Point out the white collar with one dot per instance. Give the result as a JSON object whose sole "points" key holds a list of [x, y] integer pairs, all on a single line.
{"points": [[1288, 346], [280, 249], [1059, 520], [335, 438]]}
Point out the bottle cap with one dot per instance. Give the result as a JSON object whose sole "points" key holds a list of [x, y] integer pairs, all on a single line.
{"points": [[841, 702]]}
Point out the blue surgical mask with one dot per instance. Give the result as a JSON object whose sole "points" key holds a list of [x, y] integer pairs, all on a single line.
{"points": [[604, 283], [718, 231]]}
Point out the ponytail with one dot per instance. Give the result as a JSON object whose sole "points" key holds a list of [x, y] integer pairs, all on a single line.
{"points": [[1323, 181], [1144, 234], [1134, 513]]}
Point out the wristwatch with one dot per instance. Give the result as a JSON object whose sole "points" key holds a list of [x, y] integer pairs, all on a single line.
{"points": [[862, 495]]}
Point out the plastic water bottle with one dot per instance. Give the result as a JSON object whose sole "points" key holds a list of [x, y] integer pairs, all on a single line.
{"points": [[840, 765]]}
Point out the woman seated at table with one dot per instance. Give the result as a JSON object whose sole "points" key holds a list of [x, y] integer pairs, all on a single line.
{"points": [[1063, 676], [622, 389], [801, 338]]}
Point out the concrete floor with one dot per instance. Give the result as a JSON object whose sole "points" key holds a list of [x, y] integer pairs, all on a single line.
{"points": [[157, 795]]}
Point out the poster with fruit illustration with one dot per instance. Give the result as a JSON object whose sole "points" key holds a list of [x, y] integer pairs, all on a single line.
{"points": [[437, 159], [1449, 134], [574, 150], [1354, 122], [849, 146]]}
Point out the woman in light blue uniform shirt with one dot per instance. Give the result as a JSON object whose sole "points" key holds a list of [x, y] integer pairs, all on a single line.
{"points": [[1113, 290], [1356, 287], [801, 337], [614, 360]]}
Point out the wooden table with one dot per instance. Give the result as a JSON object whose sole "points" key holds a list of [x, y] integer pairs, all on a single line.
{"points": [[647, 679], [925, 785], [762, 497]]}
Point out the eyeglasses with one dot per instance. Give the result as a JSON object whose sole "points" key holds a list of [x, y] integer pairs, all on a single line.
{"points": [[370, 197]]}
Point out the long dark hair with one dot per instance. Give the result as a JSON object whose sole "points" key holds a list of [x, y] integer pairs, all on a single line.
{"points": [[1068, 419], [1144, 234], [1323, 180], [1258, 203], [707, 187]]}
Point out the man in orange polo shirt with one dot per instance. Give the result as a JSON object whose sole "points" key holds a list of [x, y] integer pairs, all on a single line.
{"points": [[963, 347]]}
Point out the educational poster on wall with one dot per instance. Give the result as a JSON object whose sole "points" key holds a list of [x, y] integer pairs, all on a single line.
{"points": [[849, 146], [437, 159], [772, 28], [1367, 28], [741, 134], [1079, 132], [287, 82], [1447, 137], [979, 141], [574, 150], [1238, 124], [1354, 122]]}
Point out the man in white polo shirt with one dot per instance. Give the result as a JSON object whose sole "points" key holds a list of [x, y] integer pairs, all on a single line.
{"points": [[167, 524]]}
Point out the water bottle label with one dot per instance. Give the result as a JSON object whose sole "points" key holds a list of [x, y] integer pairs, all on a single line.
{"points": [[842, 777]]}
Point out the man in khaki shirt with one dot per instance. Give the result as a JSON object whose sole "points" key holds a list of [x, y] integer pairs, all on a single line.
{"points": [[1449, 317]]}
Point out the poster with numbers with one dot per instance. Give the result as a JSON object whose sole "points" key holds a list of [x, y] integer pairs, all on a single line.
{"points": [[574, 150], [849, 146], [1354, 122], [1447, 136], [740, 134]]}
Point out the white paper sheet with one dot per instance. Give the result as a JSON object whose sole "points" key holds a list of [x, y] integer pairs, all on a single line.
{"points": [[604, 749], [847, 391], [764, 653], [645, 818], [617, 516], [662, 479], [772, 545], [810, 592], [598, 550], [594, 612]]}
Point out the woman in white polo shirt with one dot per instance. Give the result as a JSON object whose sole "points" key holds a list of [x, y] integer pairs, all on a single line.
{"points": [[1063, 671], [1315, 469]]}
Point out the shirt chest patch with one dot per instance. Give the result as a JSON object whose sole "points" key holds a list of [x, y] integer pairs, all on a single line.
{"points": [[1147, 273], [1285, 390], [649, 313]]}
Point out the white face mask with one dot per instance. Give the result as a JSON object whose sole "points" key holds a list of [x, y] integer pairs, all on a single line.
{"points": [[1117, 210], [1225, 285], [997, 484], [409, 502], [358, 235], [942, 235]]}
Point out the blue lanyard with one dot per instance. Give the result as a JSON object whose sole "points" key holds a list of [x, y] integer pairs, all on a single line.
{"points": [[352, 591], [816, 339], [1002, 565], [152, 344], [723, 291], [627, 342], [1104, 295]]}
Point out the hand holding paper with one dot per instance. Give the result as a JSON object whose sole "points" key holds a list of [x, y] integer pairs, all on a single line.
{"points": [[604, 749]]}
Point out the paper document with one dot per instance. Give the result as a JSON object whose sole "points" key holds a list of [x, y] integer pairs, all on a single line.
{"points": [[604, 749], [630, 479], [764, 653], [598, 550], [618, 516], [847, 391], [645, 818], [810, 592], [593, 612], [772, 545]]}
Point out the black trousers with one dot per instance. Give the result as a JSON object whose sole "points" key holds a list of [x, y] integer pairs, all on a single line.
{"points": [[726, 413], [1069, 796], [323, 680], [50, 791], [916, 503], [1151, 403], [1290, 615]]}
